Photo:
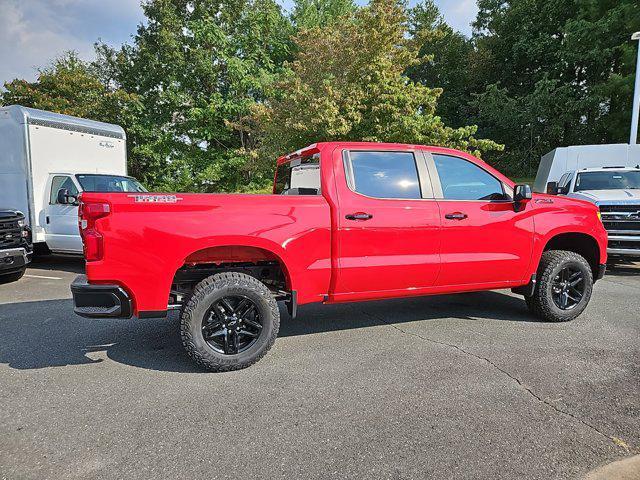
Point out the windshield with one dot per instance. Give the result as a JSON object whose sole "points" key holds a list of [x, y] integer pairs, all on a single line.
{"points": [[109, 183], [614, 180]]}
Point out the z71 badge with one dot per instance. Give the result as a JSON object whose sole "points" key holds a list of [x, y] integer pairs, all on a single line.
{"points": [[155, 198]]}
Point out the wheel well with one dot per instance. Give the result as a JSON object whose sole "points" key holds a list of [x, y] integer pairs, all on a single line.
{"points": [[580, 243], [257, 262]]}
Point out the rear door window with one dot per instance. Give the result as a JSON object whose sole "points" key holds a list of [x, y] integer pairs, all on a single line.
{"points": [[383, 174]]}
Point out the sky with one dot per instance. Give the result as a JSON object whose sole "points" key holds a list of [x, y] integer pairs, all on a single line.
{"points": [[33, 32]]}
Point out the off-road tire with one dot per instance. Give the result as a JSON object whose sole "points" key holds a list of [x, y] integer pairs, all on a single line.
{"points": [[208, 291], [12, 277], [541, 303]]}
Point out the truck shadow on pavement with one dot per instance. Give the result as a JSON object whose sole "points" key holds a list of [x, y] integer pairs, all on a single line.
{"points": [[57, 263], [47, 333]]}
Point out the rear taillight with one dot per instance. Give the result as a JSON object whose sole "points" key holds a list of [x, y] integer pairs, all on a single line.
{"points": [[88, 213]]}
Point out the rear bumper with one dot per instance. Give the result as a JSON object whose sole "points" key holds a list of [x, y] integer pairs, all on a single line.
{"points": [[99, 301], [13, 260]]}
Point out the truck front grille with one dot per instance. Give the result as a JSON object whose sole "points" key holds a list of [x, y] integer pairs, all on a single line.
{"points": [[622, 223], [10, 234], [619, 208], [616, 225], [624, 244]]}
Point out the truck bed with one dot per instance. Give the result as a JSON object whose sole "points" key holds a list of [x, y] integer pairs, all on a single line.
{"points": [[164, 232]]}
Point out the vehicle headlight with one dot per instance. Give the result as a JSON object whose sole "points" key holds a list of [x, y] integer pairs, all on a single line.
{"points": [[599, 215], [21, 223]]}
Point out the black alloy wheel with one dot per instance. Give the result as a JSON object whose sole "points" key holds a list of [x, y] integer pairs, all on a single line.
{"points": [[563, 288], [232, 325], [567, 288]]}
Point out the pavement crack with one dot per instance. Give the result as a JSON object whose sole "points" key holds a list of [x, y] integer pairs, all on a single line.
{"points": [[618, 442]]}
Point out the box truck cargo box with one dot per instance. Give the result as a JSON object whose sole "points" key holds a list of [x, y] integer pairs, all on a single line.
{"points": [[47, 159]]}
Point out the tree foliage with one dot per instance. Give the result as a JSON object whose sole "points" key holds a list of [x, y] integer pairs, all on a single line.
{"points": [[198, 67], [320, 13], [348, 82], [447, 55], [72, 87], [554, 73], [209, 91]]}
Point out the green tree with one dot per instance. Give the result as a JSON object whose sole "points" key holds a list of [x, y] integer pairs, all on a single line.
{"points": [[550, 73], [448, 55], [70, 86], [320, 13], [198, 68], [348, 82], [73, 87]]}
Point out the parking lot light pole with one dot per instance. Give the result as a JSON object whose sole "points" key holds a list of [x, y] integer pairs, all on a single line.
{"points": [[633, 139]]}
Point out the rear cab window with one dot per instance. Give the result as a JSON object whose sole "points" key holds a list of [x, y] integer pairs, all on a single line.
{"points": [[299, 176]]}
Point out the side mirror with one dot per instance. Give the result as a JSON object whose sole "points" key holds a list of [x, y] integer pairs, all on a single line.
{"points": [[521, 195], [64, 198], [552, 188]]}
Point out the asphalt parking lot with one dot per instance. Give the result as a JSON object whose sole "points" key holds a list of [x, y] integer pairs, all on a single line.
{"points": [[457, 386]]}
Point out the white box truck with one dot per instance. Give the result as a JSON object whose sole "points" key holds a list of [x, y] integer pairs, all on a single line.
{"points": [[47, 160]]}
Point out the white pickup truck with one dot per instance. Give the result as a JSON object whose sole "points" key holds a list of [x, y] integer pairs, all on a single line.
{"points": [[616, 191]]}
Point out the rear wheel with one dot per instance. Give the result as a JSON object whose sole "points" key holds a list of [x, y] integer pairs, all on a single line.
{"points": [[564, 286], [230, 322]]}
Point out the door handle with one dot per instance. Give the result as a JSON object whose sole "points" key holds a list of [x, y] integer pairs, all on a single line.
{"points": [[455, 216], [47, 219], [358, 216]]}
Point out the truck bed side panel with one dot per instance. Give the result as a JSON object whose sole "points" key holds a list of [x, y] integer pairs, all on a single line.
{"points": [[146, 243]]}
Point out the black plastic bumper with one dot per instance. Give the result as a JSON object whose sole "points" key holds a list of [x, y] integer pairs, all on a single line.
{"points": [[602, 268], [13, 260], [99, 301]]}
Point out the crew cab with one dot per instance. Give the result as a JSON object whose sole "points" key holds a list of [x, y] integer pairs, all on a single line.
{"points": [[346, 222]]}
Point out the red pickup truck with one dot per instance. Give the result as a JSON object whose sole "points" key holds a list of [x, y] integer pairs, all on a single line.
{"points": [[346, 222]]}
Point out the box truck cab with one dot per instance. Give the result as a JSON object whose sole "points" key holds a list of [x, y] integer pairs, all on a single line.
{"points": [[61, 205], [47, 160]]}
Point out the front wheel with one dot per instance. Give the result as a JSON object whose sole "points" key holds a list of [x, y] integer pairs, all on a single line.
{"points": [[564, 286], [230, 322]]}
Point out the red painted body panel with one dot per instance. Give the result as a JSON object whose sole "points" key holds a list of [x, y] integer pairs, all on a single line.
{"points": [[146, 243], [407, 248], [396, 250], [493, 244]]}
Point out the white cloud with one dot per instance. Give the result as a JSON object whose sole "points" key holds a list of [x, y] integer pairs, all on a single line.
{"points": [[33, 32]]}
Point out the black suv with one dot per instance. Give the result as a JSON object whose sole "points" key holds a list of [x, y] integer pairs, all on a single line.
{"points": [[15, 245]]}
